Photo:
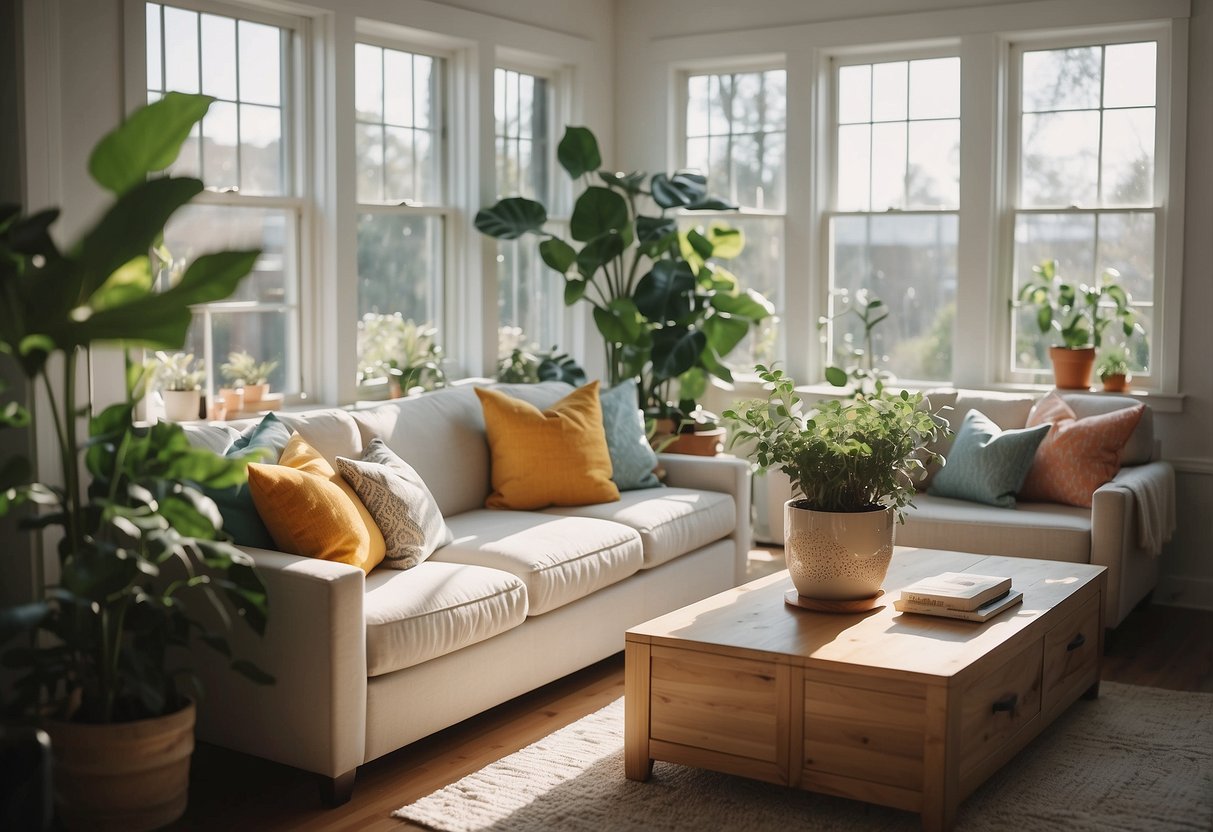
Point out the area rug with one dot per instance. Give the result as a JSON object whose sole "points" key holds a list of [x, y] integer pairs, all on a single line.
{"points": [[1135, 759]]}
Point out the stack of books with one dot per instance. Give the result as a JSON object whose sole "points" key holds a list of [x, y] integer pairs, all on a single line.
{"points": [[959, 595]]}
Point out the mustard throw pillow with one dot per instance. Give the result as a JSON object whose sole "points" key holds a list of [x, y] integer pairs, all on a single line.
{"points": [[310, 510], [555, 458]]}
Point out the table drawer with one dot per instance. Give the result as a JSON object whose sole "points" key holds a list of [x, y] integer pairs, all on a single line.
{"points": [[1072, 655], [996, 705], [715, 703]]}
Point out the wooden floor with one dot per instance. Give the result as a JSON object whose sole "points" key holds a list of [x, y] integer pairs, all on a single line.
{"points": [[1167, 647]]}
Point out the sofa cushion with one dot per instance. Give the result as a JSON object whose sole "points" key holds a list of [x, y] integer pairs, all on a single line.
{"points": [[632, 458], [261, 442], [402, 506], [311, 511], [670, 521], [987, 464], [557, 456], [1140, 447], [1078, 455], [431, 430], [1034, 530], [331, 431], [559, 559], [435, 609]]}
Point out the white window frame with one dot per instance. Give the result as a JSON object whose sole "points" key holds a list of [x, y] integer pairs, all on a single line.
{"points": [[444, 209], [1164, 365], [297, 83]]}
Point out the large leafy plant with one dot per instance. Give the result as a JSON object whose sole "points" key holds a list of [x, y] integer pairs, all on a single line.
{"points": [[142, 552], [860, 454], [1078, 313], [667, 309]]}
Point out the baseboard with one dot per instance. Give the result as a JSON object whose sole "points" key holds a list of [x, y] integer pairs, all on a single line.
{"points": [[1183, 591]]}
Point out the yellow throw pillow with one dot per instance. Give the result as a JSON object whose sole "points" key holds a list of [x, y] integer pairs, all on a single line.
{"points": [[310, 510], [555, 458]]}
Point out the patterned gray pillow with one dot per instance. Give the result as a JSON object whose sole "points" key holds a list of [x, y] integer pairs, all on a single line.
{"points": [[632, 458], [401, 505]]}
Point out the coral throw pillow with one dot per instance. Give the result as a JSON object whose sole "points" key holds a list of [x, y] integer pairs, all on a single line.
{"points": [[557, 457], [1078, 455], [310, 510]]}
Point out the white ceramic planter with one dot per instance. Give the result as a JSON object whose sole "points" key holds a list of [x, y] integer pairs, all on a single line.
{"points": [[181, 405], [837, 556]]}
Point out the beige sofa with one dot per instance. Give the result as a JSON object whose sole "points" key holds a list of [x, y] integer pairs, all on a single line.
{"points": [[368, 663]]}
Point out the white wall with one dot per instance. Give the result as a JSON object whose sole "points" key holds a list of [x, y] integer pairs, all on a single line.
{"points": [[655, 39]]}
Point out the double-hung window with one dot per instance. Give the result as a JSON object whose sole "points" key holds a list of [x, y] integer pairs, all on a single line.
{"points": [[894, 224], [736, 135], [530, 296], [1083, 182], [401, 187], [246, 152]]}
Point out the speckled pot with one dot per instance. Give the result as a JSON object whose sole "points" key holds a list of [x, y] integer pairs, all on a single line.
{"points": [[837, 556]]}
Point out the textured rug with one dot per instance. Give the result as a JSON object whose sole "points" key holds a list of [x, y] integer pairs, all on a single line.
{"points": [[1135, 759]]}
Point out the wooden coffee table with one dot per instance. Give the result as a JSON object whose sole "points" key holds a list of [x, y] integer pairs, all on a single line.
{"points": [[903, 710]]}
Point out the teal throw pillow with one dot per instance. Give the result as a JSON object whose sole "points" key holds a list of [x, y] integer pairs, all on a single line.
{"points": [[988, 464], [264, 441], [632, 458]]}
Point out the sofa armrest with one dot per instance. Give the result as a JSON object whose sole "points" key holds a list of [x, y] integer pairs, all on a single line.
{"points": [[314, 715], [1132, 572], [725, 474]]}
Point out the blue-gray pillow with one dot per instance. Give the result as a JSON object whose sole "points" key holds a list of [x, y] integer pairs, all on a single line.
{"points": [[988, 464], [632, 458], [265, 442]]}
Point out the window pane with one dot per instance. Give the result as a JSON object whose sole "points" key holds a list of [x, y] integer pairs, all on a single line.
{"points": [[526, 106], [522, 162], [697, 105], [774, 101], [854, 156], [260, 63], [720, 105], [530, 296], [697, 155], [260, 150], [1130, 75], [935, 88], [1061, 79], [1128, 157], [400, 266], [773, 160], [200, 229], [368, 82], [934, 169], [423, 99], [747, 102], [889, 91], [397, 88], [155, 78], [268, 335], [426, 169], [854, 94], [1060, 161], [219, 56], [499, 79], [909, 262], [747, 169], [180, 50], [888, 165], [398, 182], [369, 148], [220, 146], [1126, 243], [189, 162]]}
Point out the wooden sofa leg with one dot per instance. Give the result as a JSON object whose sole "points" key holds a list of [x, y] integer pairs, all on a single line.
{"points": [[337, 791]]}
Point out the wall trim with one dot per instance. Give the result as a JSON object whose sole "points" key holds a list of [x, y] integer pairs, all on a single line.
{"points": [[1192, 465], [1184, 591]]}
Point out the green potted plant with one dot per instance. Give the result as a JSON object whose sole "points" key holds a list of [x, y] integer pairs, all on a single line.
{"points": [[863, 373], [141, 556], [852, 465], [180, 383], [243, 370], [398, 353], [1113, 370], [1079, 314], [666, 307]]}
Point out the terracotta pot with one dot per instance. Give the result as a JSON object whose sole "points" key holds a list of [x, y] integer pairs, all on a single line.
{"points": [[1072, 367], [699, 443], [124, 776], [254, 393], [1116, 383], [837, 556], [233, 399], [181, 405]]}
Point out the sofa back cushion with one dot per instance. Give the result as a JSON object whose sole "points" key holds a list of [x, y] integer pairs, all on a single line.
{"points": [[1140, 447], [441, 434]]}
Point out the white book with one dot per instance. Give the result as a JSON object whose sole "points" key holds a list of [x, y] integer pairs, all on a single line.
{"points": [[982, 613], [956, 590]]}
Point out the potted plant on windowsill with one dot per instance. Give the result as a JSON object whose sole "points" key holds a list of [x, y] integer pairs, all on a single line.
{"points": [[666, 307], [98, 661], [180, 384], [1079, 314], [397, 356], [242, 370], [852, 465], [1113, 370]]}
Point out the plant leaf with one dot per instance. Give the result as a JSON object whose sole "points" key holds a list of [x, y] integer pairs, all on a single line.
{"points": [[680, 190], [559, 255], [510, 218], [749, 305], [148, 141], [676, 350], [667, 292], [596, 212], [578, 151]]}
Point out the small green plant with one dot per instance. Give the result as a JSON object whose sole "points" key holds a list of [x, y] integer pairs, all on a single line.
{"points": [[858, 455], [242, 369], [870, 310], [1113, 363], [391, 347], [1077, 312], [176, 371], [520, 361]]}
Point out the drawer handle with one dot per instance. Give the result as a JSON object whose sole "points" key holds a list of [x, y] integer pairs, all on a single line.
{"points": [[1007, 703], [1076, 642]]}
